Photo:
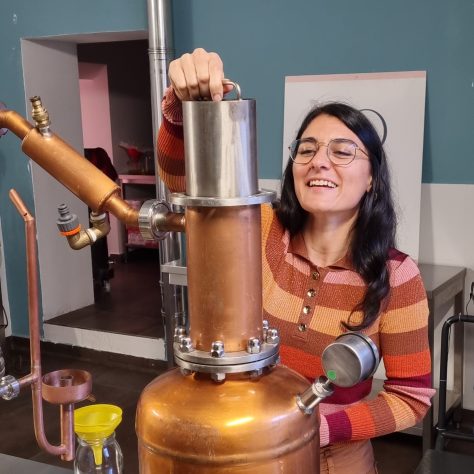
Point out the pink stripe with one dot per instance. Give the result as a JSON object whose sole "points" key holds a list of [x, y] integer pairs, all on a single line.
{"points": [[323, 432], [328, 408], [344, 277], [360, 76], [401, 273], [423, 395]]}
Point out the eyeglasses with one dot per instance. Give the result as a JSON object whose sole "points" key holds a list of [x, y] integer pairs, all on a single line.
{"points": [[340, 151]]}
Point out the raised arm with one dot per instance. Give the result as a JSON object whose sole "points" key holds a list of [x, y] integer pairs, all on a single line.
{"points": [[193, 76]]}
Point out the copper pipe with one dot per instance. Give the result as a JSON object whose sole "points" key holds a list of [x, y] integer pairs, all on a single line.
{"points": [[121, 210], [74, 385], [171, 222], [71, 169], [224, 275], [15, 122], [66, 417], [34, 378]]}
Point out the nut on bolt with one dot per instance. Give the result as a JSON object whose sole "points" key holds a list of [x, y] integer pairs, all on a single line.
{"points": [[218, 377], [253, 345], [217, 349], [186, 345], [265, 327], [254, 374], [272, 336]]}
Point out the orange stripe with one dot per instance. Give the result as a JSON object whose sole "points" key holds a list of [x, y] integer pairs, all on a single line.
{"points": [[176, 184], [67, 233], [410, 365], [361, 421], [307, 365]]}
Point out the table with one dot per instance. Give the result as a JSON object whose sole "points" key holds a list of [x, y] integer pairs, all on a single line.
{"points": [[444, 287], [443, 462], [14, 465]]}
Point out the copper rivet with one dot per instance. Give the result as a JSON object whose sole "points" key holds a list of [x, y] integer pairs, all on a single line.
{"points": [[315, 275], [311, 293], [302, 327], [306, 309]]}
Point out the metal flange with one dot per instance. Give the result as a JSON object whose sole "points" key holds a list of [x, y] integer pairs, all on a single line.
{"points": [[148, 219], [228, 369], [230, 362], [261, 197]]}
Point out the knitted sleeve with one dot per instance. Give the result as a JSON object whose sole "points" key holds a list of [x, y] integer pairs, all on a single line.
{"points": [[170, 154], [405, 351]]}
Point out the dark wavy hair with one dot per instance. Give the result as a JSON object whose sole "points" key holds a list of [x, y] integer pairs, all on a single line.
{"points": [[373, 233]]}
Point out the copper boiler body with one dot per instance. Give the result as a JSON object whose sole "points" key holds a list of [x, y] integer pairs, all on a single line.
{"points": [[191, 425]]}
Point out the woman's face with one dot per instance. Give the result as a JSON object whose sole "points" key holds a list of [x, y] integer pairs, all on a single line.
{"points": [[323, 188]]}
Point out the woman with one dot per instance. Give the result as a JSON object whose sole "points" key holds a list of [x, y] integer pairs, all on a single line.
{"points": [[329, 264]]}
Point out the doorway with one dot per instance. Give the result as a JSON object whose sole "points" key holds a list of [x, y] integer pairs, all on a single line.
{"points": [[130, 323]]}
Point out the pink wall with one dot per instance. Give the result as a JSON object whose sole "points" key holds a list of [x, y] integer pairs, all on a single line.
{"points": [[95, 106], [96, 127]]}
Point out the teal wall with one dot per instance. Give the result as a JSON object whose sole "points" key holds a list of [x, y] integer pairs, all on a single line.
{"points": [[30, 19], [262, 41]]}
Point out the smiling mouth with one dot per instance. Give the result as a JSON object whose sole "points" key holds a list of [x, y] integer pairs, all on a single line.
{"points": [[322, 183]]}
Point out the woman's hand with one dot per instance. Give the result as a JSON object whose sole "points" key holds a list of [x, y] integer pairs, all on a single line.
{"points": [[198, 75]]}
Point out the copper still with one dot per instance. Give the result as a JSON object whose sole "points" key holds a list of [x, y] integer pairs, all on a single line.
{"points": [[229, 407]]}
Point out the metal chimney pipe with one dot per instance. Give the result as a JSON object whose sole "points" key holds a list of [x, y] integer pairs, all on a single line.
{"points": [[161, 52]]}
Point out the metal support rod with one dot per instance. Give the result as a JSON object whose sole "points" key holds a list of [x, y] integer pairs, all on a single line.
{"points": [[161, 52]]}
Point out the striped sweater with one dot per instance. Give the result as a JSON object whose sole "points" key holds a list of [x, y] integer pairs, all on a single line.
{"points": [[307, 305]]}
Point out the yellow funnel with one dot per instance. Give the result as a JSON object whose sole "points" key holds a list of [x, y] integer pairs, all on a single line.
{"points": [[95, 423]]}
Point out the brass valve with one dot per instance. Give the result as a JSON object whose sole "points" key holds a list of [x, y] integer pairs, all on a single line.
{"points": [[40, 115]]}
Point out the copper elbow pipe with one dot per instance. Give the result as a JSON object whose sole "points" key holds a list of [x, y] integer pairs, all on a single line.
{"points": [[100, 228], [34, 378], [68, 395], [71, 169], [15, 123]]}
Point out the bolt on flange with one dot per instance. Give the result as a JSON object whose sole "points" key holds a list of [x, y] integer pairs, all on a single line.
{"points": [[272, 336], [253, 345], [186, 345], [179, 333], [217, 349]]}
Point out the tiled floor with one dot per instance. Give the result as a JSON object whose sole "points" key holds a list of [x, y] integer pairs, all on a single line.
{"points": [[133, 304], [120, 381], [115, 384]]}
